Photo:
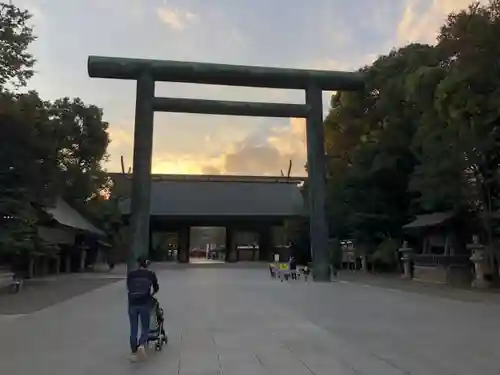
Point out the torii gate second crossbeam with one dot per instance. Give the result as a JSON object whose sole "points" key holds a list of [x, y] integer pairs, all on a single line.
{"points": [[146, 72]]}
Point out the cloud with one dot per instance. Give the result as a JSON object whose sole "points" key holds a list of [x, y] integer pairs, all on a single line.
{"points": [[175, 18], [255, 154], [290, 141], [421, 19], [259, 154], [120, 137], [121, 145], [186, 163], [264, 154], [210, 170], [350, 64]]}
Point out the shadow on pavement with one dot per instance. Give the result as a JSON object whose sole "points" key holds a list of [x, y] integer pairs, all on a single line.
{"points": [[41, 293]]}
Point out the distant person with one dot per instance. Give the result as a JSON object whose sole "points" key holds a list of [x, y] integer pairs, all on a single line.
{"points": [[142, 285], [110, 260], [293, 267], [111, 264], [306, 272], [273, 269]]}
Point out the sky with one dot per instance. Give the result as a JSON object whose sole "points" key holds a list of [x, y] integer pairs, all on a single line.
{"points": [[313, 34]]}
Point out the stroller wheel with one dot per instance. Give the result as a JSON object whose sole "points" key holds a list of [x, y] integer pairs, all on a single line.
{"points": [[164, 337]]}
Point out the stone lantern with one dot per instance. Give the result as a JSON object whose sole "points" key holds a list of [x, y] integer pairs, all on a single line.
{"points": [[406, 256], [481, 264]]}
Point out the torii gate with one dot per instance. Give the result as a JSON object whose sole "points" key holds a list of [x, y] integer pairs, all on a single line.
{"points": [[147, 72]]}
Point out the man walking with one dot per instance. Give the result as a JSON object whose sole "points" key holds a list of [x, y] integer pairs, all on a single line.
{"points": [[140, 302]]}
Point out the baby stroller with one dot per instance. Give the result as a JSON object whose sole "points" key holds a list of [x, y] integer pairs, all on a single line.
{"points": [[157, 334]]}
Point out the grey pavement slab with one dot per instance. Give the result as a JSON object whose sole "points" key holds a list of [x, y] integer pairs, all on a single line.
{"points": [[239, 321], [41, 293], [394, 282]]}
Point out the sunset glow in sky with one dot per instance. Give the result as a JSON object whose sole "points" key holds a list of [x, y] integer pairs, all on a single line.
{"points": [[317, 34]]}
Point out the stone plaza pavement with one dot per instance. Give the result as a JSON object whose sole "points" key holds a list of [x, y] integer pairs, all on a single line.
{"points": [[239, 321]]}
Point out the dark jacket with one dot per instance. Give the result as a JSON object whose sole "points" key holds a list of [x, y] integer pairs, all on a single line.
{"points": [[139, 285]]}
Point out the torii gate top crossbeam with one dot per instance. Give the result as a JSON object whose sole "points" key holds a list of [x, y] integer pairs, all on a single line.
{"points": [[223, 74]]}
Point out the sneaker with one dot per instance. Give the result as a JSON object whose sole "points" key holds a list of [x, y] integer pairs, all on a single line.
{"points": [[133, 357], [141, 352]]}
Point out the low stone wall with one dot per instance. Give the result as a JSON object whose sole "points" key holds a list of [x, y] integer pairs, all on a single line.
{"points": [[429, 274], [452, 274], [5, 278], [248, 254], [460, 275]]}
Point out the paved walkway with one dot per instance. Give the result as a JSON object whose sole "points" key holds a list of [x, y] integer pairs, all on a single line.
{"points": [[239, 321], [397, 283]]}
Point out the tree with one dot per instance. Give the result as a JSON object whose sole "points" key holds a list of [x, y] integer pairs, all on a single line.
{"points": [[423, 135], [26, 165], [82, 140], [48, 149], [468, 101], [16, 62], [28, 169], [368, 135], [439, 182], [340, 144], [458, 140]]}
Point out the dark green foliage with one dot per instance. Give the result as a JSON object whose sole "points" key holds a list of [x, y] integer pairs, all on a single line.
{"points": [[16, 35], [423, 136], [47, 149]]}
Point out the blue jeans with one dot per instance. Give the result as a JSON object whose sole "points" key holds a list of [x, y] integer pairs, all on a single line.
{"points": [[138, 313]]}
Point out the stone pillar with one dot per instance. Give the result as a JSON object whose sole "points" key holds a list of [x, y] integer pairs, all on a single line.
{"points": [[31, 267], [183, 244], [231, 255], [265, 244], [254, 252], [67, 263], [45, 265], [481, 264], [141, 178], [407, 257], [364, 263], [316, 167], [83, 255], [150, 243]]}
